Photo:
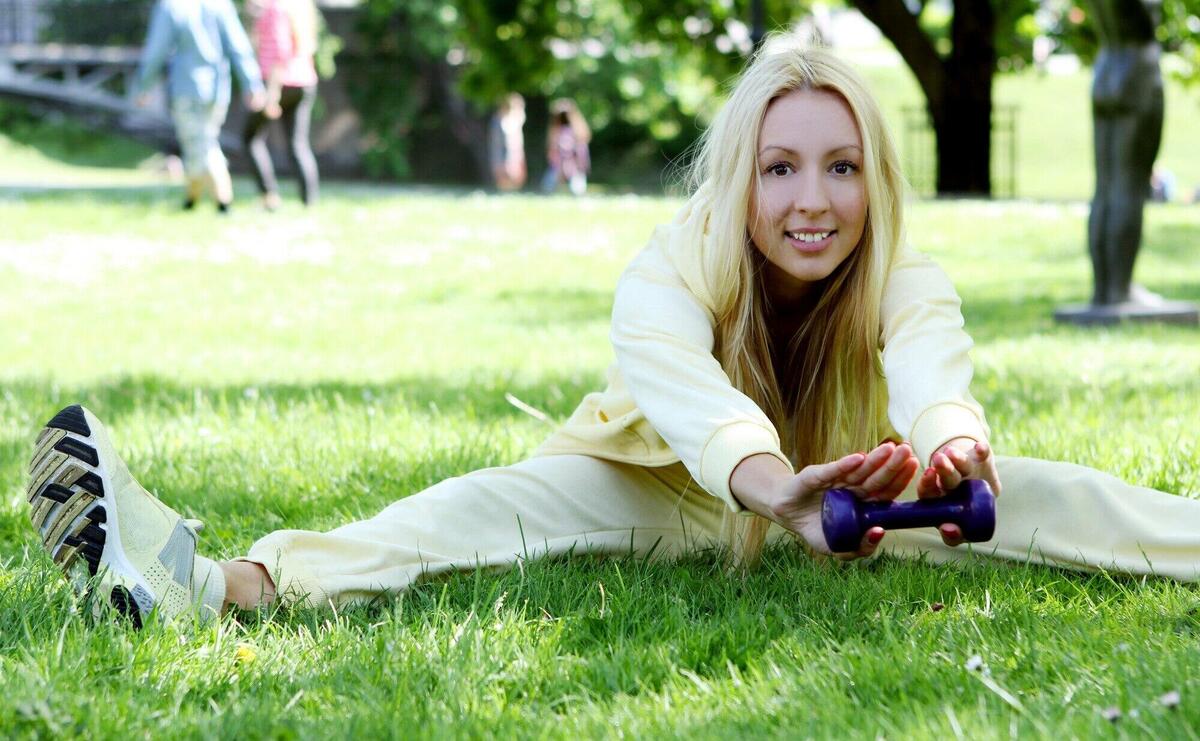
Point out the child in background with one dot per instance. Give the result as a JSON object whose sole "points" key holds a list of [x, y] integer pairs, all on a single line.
{"points": [[285, 36], [567, 148]]}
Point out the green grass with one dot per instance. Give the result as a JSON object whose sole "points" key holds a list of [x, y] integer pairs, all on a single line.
{"points": [[302, 369], [54, 150]]}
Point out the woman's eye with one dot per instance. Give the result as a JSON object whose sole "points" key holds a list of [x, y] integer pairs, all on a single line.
{"points": [[779, 169], [844, 168]]}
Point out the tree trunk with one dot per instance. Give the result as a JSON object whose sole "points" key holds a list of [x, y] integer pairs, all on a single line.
{"points": [[957, 88], [963, 128], [964, 124], [468, 129]]}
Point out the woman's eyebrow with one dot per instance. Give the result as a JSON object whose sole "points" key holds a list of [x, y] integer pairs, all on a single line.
{"points": [[780, 147], [793, 152]]}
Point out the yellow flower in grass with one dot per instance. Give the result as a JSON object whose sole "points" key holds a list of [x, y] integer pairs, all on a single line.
{"points": [[245, 654]]}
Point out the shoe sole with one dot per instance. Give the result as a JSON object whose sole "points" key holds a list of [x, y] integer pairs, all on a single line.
{"points": [[72, 509]]}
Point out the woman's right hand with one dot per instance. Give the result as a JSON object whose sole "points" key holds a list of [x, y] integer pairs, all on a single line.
{"points": [[794, 501]]}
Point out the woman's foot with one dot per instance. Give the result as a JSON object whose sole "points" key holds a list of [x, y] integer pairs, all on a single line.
{"points": [[271, 201], [108, 533], [247, 584]]}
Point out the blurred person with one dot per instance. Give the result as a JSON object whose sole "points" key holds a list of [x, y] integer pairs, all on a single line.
{"points": [[285, 37], [1162, 185], [506, 144], [567, 148], [197, 41]]}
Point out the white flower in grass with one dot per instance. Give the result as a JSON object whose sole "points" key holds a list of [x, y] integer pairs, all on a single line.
{"points": [[1170, 699], [975, 663]]}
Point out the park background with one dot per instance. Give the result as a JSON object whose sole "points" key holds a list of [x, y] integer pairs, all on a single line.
{"points": [[408, 87], [307, 367]]}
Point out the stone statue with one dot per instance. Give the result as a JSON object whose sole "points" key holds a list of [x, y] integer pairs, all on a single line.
{"points": [[1127, 111]]}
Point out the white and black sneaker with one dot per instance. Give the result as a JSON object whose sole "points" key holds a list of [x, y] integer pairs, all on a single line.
{"points": [[102, 528]]}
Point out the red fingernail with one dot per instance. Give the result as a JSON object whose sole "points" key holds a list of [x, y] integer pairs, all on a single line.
{"points": [[874, 537]]}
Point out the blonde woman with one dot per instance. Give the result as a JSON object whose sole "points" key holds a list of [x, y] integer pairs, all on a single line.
{"points": [[506, 143], [766, 339]]}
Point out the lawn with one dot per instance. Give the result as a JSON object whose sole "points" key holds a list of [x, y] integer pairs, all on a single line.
{"points": [[303, 369]]}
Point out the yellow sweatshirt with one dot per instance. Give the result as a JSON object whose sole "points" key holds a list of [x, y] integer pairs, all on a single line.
{"points": [[669, 400]]}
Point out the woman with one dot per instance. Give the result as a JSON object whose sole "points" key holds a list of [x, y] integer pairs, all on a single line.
{"points": [[778, 324], [506, 143], [567, 154], [285, 35]]}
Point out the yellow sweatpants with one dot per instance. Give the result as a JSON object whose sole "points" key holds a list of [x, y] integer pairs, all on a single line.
{"points": [[1054, 513]]}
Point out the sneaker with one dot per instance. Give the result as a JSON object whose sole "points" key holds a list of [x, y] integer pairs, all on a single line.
{"points": [[108, 534]]}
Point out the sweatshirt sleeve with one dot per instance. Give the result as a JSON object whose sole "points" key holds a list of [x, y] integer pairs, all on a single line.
{"points": [[663, 339], [241, 54], [159, 40], [926, 357]]}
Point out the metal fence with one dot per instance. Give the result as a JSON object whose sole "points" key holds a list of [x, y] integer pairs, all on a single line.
{"points": [[20, 21], [920, 152], [89, 22]]}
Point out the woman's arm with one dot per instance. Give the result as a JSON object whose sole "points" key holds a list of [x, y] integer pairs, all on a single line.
{"points": [[663, 339], [928, 367], [926, 358]]}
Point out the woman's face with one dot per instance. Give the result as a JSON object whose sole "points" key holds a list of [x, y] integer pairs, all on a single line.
{"points": [[809, 205]]}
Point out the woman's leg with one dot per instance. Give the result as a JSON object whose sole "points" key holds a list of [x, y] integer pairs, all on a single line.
{"points": [[254, 139], [492, 518], [297, 104], [1068, 515], [135, 552]]}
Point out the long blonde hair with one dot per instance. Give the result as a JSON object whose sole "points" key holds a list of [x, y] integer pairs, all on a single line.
{"points": [[832, 399], [306, 24]]}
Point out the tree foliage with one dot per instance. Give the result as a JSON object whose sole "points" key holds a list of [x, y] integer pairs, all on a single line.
{"points": [[648, 74], [642, 96]]}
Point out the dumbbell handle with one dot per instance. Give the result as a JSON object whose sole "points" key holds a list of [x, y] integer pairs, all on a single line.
{"points": [[921, 513], [845, 517]]}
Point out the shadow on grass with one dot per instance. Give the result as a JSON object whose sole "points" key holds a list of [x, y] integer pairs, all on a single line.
{"points": [[27, 405], [998, 318], [484, 394], [70, 141]]}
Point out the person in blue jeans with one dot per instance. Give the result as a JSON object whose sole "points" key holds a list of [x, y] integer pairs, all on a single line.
{"points": [[198, 42]]}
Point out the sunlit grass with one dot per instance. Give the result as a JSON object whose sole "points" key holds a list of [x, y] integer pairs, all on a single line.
{"points": [[304, 369]]}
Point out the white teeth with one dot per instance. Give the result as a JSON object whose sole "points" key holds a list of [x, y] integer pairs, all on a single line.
{"points": [[808, 236]]}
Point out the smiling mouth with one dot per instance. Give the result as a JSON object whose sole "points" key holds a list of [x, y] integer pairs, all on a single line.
{"points": [[809, 237]]}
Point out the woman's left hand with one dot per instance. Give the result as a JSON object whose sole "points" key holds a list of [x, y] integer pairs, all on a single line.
{"points": [[959, 460]]}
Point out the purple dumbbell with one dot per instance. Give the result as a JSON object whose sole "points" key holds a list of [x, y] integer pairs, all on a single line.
{"points": [[845, 517]]}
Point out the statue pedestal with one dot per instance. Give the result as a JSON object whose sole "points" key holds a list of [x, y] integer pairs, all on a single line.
{"points": [[1168, 312]]}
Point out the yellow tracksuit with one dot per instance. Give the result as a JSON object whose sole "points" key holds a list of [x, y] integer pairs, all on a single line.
{"points": [[646, 463]]}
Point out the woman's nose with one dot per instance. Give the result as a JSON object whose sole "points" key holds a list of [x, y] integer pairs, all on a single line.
{"points": [[810, 195]]}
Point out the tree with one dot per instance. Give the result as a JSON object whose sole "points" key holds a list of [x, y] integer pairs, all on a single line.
{"points": [[449, 61], [954, 60], [957, 85]]}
